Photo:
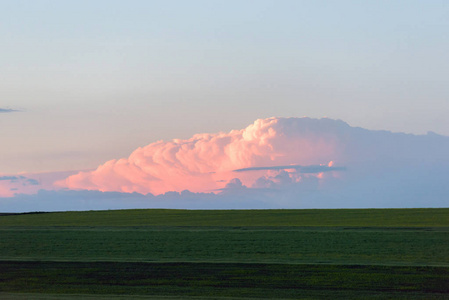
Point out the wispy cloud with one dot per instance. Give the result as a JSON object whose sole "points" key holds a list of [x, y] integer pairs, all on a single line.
{"points": [[24, 180], [301, 169], [8, 110], [10, 178], [30, 183]]}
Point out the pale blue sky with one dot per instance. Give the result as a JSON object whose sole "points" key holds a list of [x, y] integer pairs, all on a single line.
{"points": [[96, 79]]}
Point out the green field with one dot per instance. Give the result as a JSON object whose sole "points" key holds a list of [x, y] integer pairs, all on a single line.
{"points": [[420, 217], [284, 254]]}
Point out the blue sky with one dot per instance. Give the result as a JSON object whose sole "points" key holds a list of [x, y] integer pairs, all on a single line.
{"points": [[94, 80]]}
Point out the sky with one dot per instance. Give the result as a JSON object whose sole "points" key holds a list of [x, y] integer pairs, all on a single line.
{"points": [[87, 82]]}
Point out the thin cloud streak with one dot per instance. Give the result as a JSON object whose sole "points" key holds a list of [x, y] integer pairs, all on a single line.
{"points": [[25, 181], [10, 178], [8, 110], [301, 169]]}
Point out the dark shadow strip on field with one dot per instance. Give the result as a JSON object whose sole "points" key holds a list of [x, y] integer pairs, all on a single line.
{"points": [[223, 280]]}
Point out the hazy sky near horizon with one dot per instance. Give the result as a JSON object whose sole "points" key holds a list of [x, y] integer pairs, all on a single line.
{"points": [[83, 82]]}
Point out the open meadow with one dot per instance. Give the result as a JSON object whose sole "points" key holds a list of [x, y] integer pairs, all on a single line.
{"points": [[214, 254]]}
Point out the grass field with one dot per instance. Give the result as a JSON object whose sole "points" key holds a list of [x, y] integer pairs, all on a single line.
{"points": [[289, 254], [420, 217]]}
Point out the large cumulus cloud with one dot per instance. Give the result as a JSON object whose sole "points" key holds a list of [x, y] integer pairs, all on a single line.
{"points": [[207, 162], [272, 163]]}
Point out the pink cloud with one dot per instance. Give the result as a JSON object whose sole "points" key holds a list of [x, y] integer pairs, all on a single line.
{"points": [[30, 183], [273, 163], [206, 162]]}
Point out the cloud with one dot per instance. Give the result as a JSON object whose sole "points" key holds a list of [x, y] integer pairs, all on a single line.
{"points": [[10, 184], [393, 190], [30, 183], [300, 169], [64, 200], [10, 178], [8, 110], [22, 179], [294, 160], [272, 163], [206, 162]]}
